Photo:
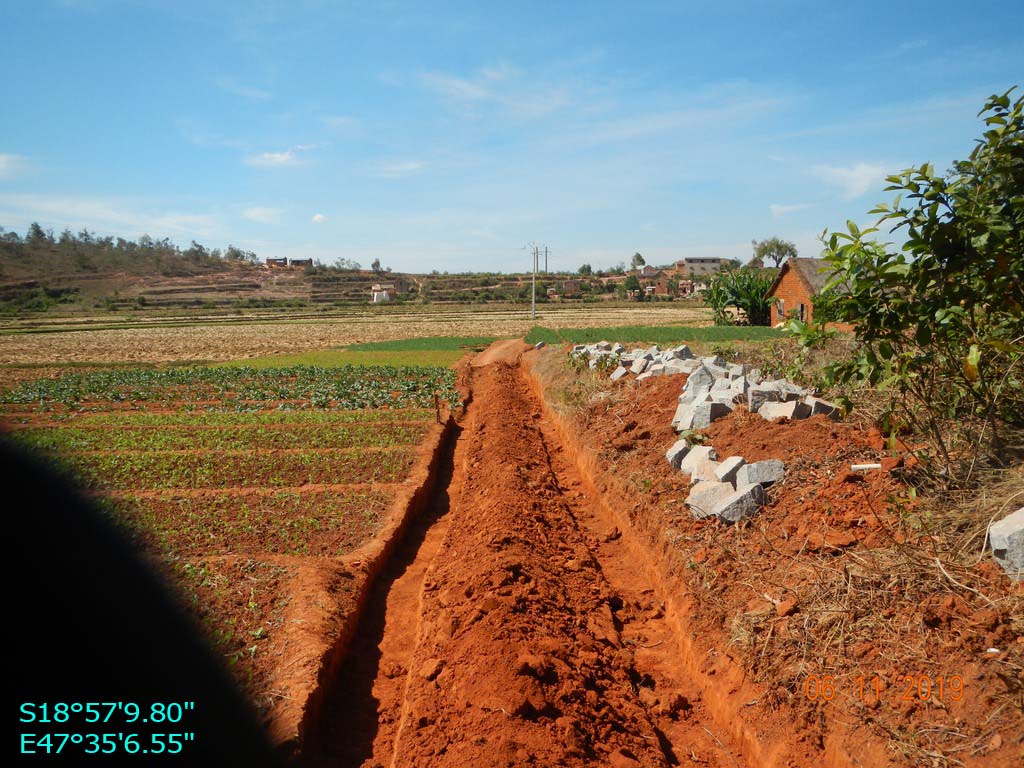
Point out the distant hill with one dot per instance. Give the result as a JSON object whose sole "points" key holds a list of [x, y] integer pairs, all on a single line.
{"points": [[72, 274]]}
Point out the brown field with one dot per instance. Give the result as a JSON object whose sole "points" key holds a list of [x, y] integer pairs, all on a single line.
{"points": [[221, 341]]}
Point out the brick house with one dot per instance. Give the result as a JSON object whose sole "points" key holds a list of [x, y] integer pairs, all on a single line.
{"points": [[799, 281]]}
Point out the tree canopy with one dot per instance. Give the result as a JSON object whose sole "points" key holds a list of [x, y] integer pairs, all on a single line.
{"points": [[775, 249]]}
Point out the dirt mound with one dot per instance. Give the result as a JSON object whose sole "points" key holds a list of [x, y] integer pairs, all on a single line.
{"points": [[835, 580]]}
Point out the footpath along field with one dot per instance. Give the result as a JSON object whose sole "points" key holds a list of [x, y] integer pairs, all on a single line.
{"points": [[256, 491]]}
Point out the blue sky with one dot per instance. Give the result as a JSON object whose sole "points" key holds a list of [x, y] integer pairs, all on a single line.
{"points": [[449, 135]]}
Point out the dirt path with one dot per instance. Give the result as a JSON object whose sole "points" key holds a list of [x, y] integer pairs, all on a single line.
{"points": [[514, 627]]}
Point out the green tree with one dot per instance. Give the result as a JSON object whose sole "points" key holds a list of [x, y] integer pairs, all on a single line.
{"points": [[637, 261], [36, 235], [774, 249], [633, 284], [586, 269], [940, 319]]}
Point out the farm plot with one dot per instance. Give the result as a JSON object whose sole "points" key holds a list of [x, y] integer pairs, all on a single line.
{"points": [[248, 488]]}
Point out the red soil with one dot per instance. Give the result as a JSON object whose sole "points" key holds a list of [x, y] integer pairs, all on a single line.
{"points": [[519, 629], [830, 561]]}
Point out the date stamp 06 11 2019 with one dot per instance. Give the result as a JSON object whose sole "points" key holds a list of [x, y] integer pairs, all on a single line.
{"points": [[868, 688]]}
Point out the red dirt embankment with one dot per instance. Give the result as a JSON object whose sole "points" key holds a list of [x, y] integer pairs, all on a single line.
{"points": [[831, 604], [520, 627]]}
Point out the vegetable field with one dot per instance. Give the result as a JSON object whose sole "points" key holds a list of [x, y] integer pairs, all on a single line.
{"points": [[238, 482]]}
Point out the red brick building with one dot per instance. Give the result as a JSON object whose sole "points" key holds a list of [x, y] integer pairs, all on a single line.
{"points": [[794, 290]]}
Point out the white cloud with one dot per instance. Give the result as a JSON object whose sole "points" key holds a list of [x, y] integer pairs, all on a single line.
{"points": [[230, 85], [854, 181], [456, 87], [399, 169], [502, 85], [12, 165], [318, 218], [113, 215], [263, 215], [281, 159], [781, 210]]}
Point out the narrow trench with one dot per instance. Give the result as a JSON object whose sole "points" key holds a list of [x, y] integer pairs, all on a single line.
{"points": [[368, 685], [364, 716], [658, 678]]}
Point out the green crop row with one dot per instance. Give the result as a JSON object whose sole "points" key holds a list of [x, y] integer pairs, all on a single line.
{"points": [[345, 387], [325, 523], [155, 469], [130, 419], [219, 438]]}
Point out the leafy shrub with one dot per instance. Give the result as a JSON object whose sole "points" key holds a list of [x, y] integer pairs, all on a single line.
{"points": [[940, 320]]}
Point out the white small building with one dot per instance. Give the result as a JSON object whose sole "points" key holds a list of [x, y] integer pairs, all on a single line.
{"points": [[382, 292]]}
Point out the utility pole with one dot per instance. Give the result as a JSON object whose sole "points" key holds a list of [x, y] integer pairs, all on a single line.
{"points": [[533, 297], [535, 252]]}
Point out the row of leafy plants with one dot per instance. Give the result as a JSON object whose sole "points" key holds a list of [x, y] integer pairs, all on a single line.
{"points": [[126, 470], [346, 387], [277, 523], [178, 438], [284, 417]]}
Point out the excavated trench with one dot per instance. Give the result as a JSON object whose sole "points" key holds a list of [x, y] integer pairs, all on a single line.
{"points": [[515, 624]]}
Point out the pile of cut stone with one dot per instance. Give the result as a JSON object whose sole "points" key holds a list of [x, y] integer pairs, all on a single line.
{"points": [[714, 388], [729, 490], [641, 362]]}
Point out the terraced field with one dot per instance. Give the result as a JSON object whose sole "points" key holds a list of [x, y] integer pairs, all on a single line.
{"points": [[251, 489]]}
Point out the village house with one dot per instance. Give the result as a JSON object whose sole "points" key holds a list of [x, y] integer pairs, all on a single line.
{"points": [[282, 262], [696, 268], [381, 292], [798, 283]]}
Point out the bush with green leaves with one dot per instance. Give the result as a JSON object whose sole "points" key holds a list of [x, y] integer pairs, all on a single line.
{"points": [[939, 320]]}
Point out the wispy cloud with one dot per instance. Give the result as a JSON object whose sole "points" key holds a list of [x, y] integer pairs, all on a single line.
{"points": [[853, 181], [339, 122], [781, 210], [318, 218], [199, 133], [502, 85], [399, 169], [12, 165], [282, 159], [232, 86], [710, 111], [263, 215], [458, 88], [912, 45], [113, 215]]}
